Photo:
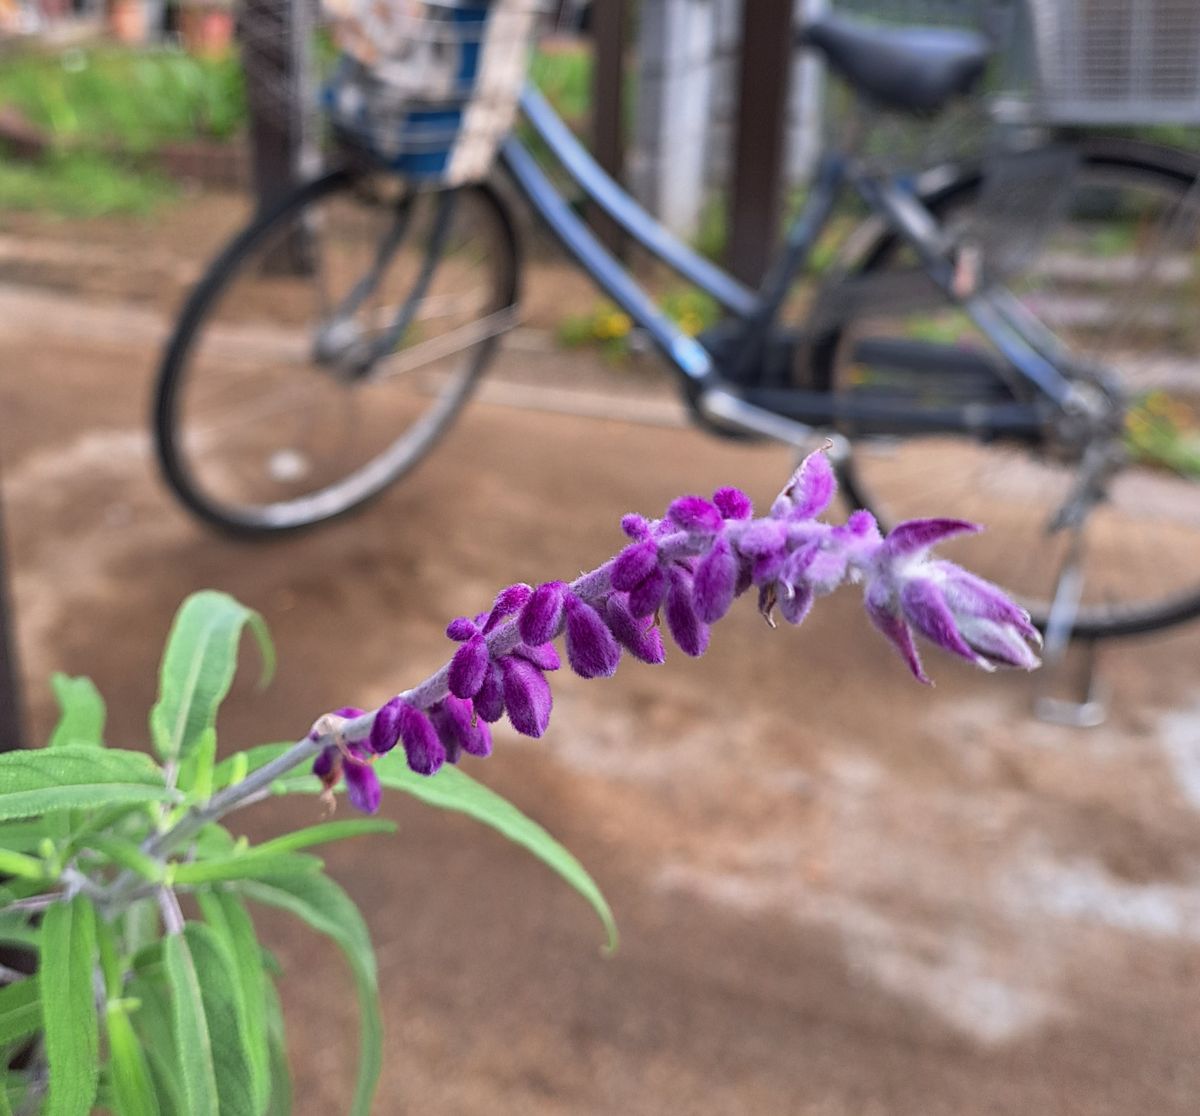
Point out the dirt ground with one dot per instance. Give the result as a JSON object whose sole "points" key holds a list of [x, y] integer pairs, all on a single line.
{"points": [[839, 892]]}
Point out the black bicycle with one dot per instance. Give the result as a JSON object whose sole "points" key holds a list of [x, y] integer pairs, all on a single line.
{"points": [[1017, 347]]}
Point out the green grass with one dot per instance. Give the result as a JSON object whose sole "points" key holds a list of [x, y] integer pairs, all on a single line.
{"points": [[564, 77], [81, 185], [135, 100]]}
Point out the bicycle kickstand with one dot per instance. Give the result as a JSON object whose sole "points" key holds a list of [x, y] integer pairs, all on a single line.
{"points": [[1068, 667]]}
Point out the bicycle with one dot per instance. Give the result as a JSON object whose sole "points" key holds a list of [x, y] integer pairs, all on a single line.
{"points": [[981, 395]]}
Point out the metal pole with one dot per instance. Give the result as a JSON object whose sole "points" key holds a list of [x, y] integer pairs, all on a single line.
{"points": [[268, 40], [610, 33], [762, 88], [10, 692]]}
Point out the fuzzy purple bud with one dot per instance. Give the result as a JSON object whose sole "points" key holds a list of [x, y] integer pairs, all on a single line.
{"points": [[733, 503], [898, 633], [385, 729], [459, 730], [648, 597], [915, 536], [635, 526], [489, 702], [688, 630], [695, 515], [591, 649], [794, 607], [543, 656], [421, 744], [362, 784], [526, 696], [640, 637], [508, 601], [461, 629], [542, 613], [810, 490], [468, 667], [715, 581], [634, 564], [327, 765]]}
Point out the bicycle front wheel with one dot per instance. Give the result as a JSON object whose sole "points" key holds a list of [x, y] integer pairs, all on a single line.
{"points": [[328, 348], [1115, 275]]}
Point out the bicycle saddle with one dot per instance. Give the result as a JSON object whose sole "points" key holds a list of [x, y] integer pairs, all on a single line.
{"points": [[916, 69]]}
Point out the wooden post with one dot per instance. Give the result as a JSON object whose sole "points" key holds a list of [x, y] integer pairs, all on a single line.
{"points": [[269, 53], [610, 34], [10, 677], [764, 65]]}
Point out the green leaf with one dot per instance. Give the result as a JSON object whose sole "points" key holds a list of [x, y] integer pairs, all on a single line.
{"points": [[324, 833], [155, 1030], [128, 1072], [81, 717], [247, 866], [281, 1074], [226, 914], [321, 903], [20, 1010], [236, 767], [193, 1045], [76, 775], [218, 993], [127, 854], [72, 1031], [452, 789], [5, 1104], [18, 864], [197, 670], [15, 927]]}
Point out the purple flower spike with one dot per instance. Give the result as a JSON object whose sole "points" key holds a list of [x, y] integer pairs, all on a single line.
{"points": [[542, 613], [689, 631], [634, 564], [489, 702], [648, 597], [362, 784], [468, 667], [715, 582], [591, 649], [898, 633], [526, 696], [640, 638], [917, 535], [421, 744], [507, 602], [809, 491], [696, 515], [733, 503], [385, 730]]}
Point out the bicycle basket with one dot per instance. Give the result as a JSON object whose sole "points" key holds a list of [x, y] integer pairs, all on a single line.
{"points": [[430, 87], [1118, 61]]}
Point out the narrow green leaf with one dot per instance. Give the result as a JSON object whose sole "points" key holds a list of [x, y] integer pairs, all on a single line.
{"points": [[155, 1030], [321, 903], [226, 914], [236, 767], [18, 864], [198, 667], [82, 712], [127, 854], [218, 992], [76, 775], [196, 770], [15, 927], [452, 789], [5, 1105], [193, 1046], [281, 1074], [127, 1071], [72, 1031], [20, 1010], [247, 866], [324, 833]]}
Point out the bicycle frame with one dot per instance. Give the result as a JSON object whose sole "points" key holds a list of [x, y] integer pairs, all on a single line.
{"points": [[1032, 352]]}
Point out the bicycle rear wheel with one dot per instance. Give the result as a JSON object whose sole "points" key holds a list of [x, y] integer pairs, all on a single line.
{"points": [[1116, 276], [328, 348]]}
